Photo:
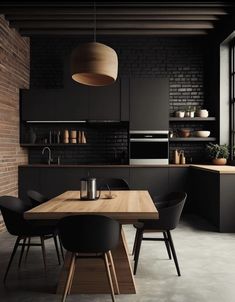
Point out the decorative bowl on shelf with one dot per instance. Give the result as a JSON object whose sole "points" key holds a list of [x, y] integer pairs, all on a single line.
{"points": [[184, 132], [202, 133], [202, 113]]}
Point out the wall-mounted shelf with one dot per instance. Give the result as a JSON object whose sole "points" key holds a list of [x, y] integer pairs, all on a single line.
{"points": [[51, 145], [192, 139], [192, 119]]}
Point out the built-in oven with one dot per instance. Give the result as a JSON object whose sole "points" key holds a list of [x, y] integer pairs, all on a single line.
{"points": [[149, 147]]}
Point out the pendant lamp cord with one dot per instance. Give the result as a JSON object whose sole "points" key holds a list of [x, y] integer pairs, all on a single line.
{"points": [[94, 22]]}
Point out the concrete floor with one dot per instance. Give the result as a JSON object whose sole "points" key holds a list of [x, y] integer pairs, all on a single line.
{"points": [[206, 258]]}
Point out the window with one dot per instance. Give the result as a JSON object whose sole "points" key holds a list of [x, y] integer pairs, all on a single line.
{"points": [[232, 97]]}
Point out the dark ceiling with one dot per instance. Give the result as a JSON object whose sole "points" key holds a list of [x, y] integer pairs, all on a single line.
{"points": [[115, 18]]}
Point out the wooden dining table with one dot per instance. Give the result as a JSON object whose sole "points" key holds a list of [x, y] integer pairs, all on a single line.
{"points": [[127, 207]]}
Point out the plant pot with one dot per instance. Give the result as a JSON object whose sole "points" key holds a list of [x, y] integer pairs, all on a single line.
{"points": [[219, 161]]}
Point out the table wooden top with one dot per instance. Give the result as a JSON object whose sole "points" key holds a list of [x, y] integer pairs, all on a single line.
{"points": [[125, 206]]}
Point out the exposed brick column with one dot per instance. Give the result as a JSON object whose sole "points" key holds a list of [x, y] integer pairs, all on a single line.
{"points": [[14, 74]]}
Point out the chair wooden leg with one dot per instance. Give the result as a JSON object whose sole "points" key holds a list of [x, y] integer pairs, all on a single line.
{"points": [[113, 271], [12, 257], [69, 277], [71, 280], [134, 245], [137, 251], [27, 251], [22, 251], [167, 244], [109, 276], [173, 253], [43, 252], [57, 248]]}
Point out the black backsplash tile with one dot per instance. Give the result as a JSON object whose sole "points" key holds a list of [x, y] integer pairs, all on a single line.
{"points": [[107, 143]]}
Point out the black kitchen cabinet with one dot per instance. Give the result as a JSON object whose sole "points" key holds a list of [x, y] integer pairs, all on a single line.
{"points": [[105, 102], [55, 181], [49, 181], [205, 191], [54, 104], [179, 181], [149, 104], [110, 173], [153, 179], [213, 198], [125, 96], [28, 179]]}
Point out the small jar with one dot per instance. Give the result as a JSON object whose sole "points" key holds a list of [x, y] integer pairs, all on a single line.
{"points": [[192, 113], [181, 114]]}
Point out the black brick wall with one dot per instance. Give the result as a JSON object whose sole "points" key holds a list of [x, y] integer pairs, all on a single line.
{"points": [[181, 59]]}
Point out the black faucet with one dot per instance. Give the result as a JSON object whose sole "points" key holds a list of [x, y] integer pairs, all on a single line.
{"points": [[50, 159]]}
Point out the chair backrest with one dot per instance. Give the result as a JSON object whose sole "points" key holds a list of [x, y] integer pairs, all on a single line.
{"points": [[167, 199], [170, 214], [170, 209], [13, 209], [36, 198], [89, 233], [113, 183]]}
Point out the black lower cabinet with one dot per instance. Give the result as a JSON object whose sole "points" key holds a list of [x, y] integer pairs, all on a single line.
{"points": [[155, 180], [213, 198], [205, 194], [55, 181], [110, 173], [49, 181], [28, 179], [179, 181]]}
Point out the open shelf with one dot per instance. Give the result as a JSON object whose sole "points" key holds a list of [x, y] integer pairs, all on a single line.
{"points": [[51, 145], [192, 119], [192, 139]]}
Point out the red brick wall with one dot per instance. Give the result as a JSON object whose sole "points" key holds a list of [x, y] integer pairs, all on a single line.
{"points": [[14, 74]]}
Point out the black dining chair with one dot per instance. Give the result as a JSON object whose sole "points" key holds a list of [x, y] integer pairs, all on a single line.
{"points": [[13, 209], [170, 207], [94, 235], [112, 183], [36, 198]]}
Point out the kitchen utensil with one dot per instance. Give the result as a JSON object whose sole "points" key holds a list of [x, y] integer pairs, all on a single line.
{"points": [[73, 134], [66, 136], [88, 189], [176, 157], [79, 137], [182, 157], [202, 133], [83, 138]]}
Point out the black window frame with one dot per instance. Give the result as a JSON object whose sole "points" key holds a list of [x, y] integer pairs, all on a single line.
{"points": [[232, 97]]}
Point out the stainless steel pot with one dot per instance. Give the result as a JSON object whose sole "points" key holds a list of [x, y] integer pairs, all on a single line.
{"points": [[88, 189]]}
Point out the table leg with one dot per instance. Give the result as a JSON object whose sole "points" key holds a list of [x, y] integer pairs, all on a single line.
{"points": [[90, 276]]}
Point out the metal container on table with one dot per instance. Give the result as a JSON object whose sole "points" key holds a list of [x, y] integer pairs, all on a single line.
{"points": [[88, 189]]}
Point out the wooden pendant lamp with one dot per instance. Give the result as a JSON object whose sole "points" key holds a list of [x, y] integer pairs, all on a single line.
{"points": [[94, 64]]}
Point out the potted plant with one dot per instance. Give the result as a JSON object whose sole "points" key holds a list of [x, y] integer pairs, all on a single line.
{"points": [[218, 153]]}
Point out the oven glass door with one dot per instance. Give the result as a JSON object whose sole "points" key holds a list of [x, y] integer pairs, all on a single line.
{"points": [[149, 150]]}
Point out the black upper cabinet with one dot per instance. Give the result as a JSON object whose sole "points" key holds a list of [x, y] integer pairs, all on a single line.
{"points": [[39, 104], [77, 102], [54, 104], [149, 104], [104, 102]]}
